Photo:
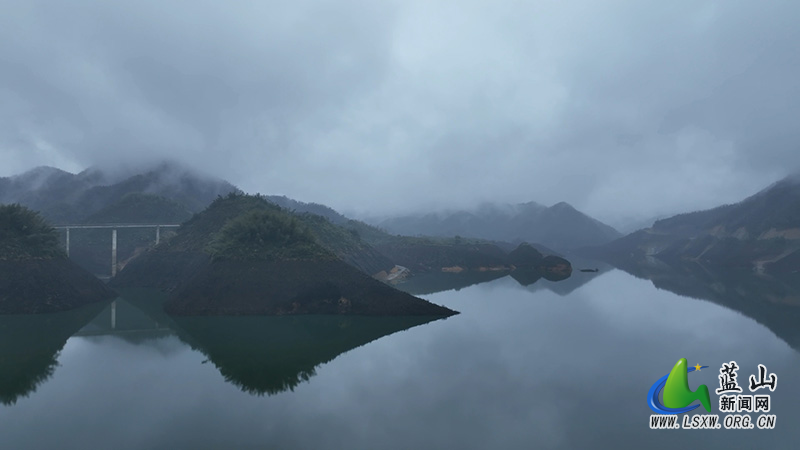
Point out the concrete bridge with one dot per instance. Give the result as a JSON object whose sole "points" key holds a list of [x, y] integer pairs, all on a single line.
{"points": [[114, 227]]}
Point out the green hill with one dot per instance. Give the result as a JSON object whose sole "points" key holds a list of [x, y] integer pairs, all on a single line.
{"points": [[244, 255], [25, 235], [35, 274]]}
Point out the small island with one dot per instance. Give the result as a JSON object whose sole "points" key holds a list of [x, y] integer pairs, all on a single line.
{"points": [[530, 264], [35, 274]]}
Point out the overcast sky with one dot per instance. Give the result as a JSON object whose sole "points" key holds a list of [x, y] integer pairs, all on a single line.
{"points": [[626, 109]]}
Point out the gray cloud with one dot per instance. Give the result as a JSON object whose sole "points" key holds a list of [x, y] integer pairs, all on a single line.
{"points": [[625, 109]]}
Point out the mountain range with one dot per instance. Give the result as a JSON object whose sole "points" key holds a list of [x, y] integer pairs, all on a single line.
{"points": [[66, 198], [169, 192], [560, 227]]}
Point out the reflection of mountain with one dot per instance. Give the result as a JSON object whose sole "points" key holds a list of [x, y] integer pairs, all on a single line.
{"points": [[270, 354], [29, 346], [771, 301]]}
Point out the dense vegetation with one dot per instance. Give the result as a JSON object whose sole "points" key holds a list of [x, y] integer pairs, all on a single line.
{"points": [[24, 234], [316, 209], [347, 244], [265, 234], [197, 233], [35, 274]]}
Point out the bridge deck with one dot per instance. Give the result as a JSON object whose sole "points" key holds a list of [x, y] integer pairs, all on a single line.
{"points": [[116, 225]]}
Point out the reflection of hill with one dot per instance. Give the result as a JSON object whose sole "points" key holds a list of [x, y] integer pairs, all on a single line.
{"points": [[530, 279], [429, 283], [270, 354], [567, 286], [771, 301], [526, 277], [29, 346]]}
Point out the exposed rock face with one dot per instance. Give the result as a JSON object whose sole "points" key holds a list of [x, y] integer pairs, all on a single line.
{"points": [[35, 275]]}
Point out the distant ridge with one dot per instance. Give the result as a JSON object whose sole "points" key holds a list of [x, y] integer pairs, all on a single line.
{"points": [[560, 227]]}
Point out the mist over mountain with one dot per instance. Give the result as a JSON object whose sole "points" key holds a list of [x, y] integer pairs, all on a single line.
{"points": [[63, 197], [560, 226]]}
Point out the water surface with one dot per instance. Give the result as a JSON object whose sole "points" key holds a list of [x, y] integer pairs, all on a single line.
{"points": [[534, 366]]}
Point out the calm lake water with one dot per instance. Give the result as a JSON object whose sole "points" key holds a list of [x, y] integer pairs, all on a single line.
{"points": [[548, 365]]}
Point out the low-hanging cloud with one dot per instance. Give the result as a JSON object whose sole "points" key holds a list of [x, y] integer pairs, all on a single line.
{"points": [[624, 109]]}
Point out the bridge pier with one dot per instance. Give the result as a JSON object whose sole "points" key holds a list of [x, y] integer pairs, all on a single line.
{"points": [[113, 228], [114, 252], [114, 315]]}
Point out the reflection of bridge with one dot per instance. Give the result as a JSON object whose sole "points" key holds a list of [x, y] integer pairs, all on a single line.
{"points": [[113, 228], [120, 318]]}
